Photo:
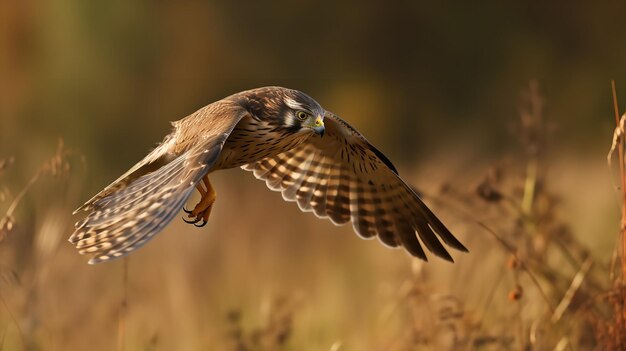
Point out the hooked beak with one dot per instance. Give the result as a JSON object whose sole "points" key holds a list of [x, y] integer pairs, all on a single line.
{"points": [[318, 126]]}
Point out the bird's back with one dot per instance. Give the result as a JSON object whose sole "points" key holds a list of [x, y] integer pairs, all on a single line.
{"points": [[253, 140]]}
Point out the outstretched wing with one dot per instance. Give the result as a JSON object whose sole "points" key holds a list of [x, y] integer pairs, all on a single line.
{"points": [[138, 205], [341, 176]]}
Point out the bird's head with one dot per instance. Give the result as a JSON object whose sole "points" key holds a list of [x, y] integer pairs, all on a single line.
{"points": [[287, 109]]}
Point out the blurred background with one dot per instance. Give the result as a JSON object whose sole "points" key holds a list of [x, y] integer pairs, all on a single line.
{"points": [[499, 112]]}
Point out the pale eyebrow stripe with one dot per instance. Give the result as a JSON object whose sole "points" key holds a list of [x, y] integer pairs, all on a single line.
{"points": [[293, 104]]}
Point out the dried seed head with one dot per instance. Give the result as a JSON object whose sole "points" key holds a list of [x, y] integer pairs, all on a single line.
{"points": [[7, 224], [516, 294], [512, 263], [486, 191]]}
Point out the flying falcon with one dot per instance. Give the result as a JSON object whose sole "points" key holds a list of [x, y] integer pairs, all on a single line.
{"points": [[286, 139]]}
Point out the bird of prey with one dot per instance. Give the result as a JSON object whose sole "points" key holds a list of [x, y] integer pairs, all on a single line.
{"points": [[285, 138]]}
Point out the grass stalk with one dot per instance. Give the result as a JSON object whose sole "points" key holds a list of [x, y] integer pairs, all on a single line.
{"points": [[620, 151]]}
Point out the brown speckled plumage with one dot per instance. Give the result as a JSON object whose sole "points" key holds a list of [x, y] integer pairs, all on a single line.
{"points": [[332, 171]]}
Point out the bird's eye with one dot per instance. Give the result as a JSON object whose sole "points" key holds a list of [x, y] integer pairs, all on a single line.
{"points": [[301, 115]]}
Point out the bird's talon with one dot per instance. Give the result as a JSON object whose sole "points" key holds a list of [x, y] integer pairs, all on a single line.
{"points": [[193, 221], [199, 216]]}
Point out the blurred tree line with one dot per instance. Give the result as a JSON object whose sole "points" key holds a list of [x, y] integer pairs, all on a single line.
{"points": [[415, 77]]}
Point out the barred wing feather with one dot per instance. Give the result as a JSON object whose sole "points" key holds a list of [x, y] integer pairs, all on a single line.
{"points": [[342, 177]]}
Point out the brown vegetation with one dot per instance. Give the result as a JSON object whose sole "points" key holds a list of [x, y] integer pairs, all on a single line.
{"points": [[280, 280], [432, 84]]}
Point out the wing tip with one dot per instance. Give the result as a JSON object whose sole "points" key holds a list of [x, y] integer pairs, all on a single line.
{"points": [[82, 208], [445, 255], [450, 239], [100, 258], [462, 248]]}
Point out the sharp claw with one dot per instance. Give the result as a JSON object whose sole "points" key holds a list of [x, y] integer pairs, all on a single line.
{"points": [[186, 210], [193, 221], [201, 225]]}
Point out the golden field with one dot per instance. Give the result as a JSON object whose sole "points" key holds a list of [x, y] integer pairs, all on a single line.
{"points": [[501, 115]]}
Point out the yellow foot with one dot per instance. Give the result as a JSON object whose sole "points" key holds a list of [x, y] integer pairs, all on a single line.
{"points": [[201, 212]]}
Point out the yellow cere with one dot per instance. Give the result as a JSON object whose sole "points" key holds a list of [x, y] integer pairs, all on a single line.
{"points": [[318, 121]]}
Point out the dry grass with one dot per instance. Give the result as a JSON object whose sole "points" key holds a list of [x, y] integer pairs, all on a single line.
{"points": [[281, 280], [611, 330]]}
